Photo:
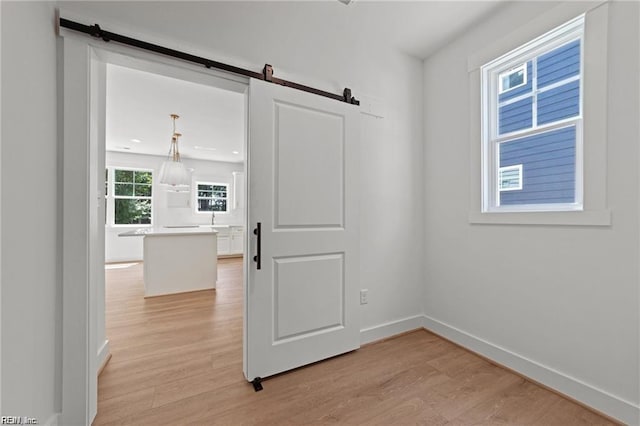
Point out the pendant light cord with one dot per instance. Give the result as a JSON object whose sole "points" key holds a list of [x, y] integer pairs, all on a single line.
{"points": [[174, 154]]}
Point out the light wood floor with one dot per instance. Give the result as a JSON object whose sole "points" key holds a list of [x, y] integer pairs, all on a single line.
{"points": [[178, 360]]}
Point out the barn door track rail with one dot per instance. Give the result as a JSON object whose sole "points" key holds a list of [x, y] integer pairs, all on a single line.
{"points": [[266, 74]]}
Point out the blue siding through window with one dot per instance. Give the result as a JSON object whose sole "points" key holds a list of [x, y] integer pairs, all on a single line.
{"points": [[516, 116], [548, 167], [553, 105], [559, 103], [559, 64]]}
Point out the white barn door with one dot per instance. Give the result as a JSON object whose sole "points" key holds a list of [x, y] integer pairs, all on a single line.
{"points": [[303, 297]]}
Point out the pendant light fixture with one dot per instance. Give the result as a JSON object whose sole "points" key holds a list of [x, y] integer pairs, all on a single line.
{"points": [[172, 172]]}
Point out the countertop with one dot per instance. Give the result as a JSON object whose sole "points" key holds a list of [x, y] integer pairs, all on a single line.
{"points": [[169, 231]]}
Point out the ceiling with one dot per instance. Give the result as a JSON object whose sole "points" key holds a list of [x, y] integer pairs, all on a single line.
{"points": [[139, 104], [417, 28], [212, 120]]}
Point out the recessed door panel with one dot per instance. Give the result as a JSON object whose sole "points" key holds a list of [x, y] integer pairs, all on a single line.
{"points": [[309, 156], [309, 296]]}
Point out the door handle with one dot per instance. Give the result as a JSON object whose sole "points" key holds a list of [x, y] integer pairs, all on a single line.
{"points": [[257, 257]]}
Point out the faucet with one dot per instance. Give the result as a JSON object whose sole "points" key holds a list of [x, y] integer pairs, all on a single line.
{"points": [[213, 218]]}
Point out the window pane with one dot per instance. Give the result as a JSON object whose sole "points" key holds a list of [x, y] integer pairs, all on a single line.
{"points": [[512, 79], [559, 103], [559, 64], [548, 167], [515, 116], [510, 178], [143, 177], [143, 190], [132, 211], [219, 187], [205, 205], [124, 176], [209, 205], [220, 194], [220, 205], [205, 194], [125, 189], [203, 187], [522, 90]]}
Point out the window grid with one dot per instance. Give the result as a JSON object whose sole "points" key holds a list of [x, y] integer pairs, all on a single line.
{"points": [[134, 209], [212, 197], [535, 92]]}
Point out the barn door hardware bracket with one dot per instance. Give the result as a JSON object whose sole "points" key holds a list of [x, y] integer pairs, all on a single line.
{"points": [[97, 32], [267, 73], [346, 97], [257, 384]]}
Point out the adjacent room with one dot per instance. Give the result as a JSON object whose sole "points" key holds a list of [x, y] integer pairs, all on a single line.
{"points": [[312, 212], [174, 231]]}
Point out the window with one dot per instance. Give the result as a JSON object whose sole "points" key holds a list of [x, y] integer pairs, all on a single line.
{"points": [[510, 178], [132, 196], [513, 78], [532, 117], [212, 197]]}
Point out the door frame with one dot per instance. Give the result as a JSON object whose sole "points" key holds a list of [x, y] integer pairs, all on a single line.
{"points": [[76, 54]]}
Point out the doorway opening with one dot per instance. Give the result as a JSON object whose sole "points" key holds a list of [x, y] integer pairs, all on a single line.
{"points": [[171, 316], [302, 169]]}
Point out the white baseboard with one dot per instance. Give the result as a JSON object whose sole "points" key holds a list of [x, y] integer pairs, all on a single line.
{"points": [[598, 399], [103, 356], [53, 420], [388, 329]]}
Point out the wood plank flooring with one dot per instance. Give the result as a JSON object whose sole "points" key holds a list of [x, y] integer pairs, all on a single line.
{"points": [[178, 360]]}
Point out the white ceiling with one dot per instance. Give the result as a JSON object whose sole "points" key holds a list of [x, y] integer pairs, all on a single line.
{"points": [[418, 28], [139, 105]]}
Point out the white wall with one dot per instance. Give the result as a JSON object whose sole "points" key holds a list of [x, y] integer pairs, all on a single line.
{"points": [[120, 249], [573, 305], [392, 185], [562, 298], [392, 211], [30, 353]]}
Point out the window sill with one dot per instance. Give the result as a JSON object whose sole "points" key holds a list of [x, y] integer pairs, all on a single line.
{"points": [[209, 213], [571, 218], [134, 225]]}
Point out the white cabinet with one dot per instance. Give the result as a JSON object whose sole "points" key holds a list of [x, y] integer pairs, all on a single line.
{"points": [[224, 246], [230, 241], [237, 240], [238, 190]]}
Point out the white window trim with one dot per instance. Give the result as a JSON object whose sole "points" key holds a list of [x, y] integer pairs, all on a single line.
{"points": [[196, 198], [491, 137], [522, 67], [594, 90], [111, 208], [501, 170]]}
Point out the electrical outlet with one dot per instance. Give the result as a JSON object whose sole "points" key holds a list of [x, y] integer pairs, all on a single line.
{"points": [[364, 296]]}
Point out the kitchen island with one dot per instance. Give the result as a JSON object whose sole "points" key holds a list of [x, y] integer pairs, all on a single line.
{"points": [[178, 259]]}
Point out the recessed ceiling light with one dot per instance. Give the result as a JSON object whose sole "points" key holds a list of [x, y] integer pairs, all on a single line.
{"points": [[135, 140], [205, 148], [235, 152]]}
